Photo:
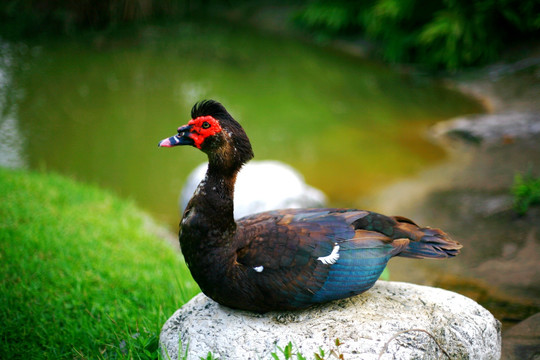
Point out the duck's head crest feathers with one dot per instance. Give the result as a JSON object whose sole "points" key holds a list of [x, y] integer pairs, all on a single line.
{"points": [[209, 107]]}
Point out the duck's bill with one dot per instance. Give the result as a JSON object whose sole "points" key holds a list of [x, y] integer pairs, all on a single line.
{"points": [[182, 138], [175, 141]]}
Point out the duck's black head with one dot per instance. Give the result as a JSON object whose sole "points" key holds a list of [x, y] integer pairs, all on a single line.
{"points": [[214, 131]]}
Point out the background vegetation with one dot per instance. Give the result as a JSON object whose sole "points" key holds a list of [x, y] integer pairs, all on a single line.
{"points": [[83, 275], [526, 191], [439, 34]]}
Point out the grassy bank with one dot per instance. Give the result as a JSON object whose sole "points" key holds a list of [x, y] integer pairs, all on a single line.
{"points": [[82, 274]]}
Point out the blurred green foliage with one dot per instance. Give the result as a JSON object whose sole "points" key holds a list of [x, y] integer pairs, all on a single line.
{"points": [[526, 191], [441, 34], [447, 34]]}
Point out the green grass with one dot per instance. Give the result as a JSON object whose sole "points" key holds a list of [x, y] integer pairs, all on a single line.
{"points": [[83, 275]]}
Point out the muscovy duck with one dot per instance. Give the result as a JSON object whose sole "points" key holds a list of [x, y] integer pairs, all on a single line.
{"points": [[283, 259]]}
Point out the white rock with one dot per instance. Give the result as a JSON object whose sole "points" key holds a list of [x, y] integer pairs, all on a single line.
{"points": [[385, 319], [261, 186]]}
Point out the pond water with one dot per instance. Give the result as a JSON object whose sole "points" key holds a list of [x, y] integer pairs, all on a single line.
{"points": [[96, 108]]}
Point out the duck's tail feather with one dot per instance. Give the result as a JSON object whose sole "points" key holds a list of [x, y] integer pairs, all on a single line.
{"points": [[430, 243], [407, 238]]}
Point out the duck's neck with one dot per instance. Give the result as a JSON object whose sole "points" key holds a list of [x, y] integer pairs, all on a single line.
{"points": [[209, 215]]}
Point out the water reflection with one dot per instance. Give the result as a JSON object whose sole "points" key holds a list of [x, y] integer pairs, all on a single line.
{"points": [[11, 140], [11, 143]]}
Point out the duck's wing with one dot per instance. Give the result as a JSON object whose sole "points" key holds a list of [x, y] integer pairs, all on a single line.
{"points": [[312, 255], [316, 255]]}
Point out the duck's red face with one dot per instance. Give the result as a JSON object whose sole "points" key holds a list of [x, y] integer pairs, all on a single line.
{"points": [[194, 133]]}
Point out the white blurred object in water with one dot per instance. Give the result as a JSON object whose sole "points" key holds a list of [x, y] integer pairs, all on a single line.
{"points": [[261, 186]]}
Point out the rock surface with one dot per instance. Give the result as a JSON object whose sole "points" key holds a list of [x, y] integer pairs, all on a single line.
{"points": [[523, 340], [490, 128], [392, 318]]}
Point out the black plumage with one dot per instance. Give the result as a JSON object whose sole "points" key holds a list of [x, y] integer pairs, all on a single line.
{"points": [[283, 259]]}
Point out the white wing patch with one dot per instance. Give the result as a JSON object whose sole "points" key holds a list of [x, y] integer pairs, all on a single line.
{"points": [[332, 258], [258, 268]]}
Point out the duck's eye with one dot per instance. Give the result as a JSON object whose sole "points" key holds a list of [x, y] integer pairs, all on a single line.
{"points": [[205, 125]]}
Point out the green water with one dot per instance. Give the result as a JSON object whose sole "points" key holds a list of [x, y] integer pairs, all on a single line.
{"points": [[96, 109]]}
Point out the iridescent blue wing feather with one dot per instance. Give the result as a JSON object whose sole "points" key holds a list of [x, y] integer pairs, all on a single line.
{"points": [[313, 255]]}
